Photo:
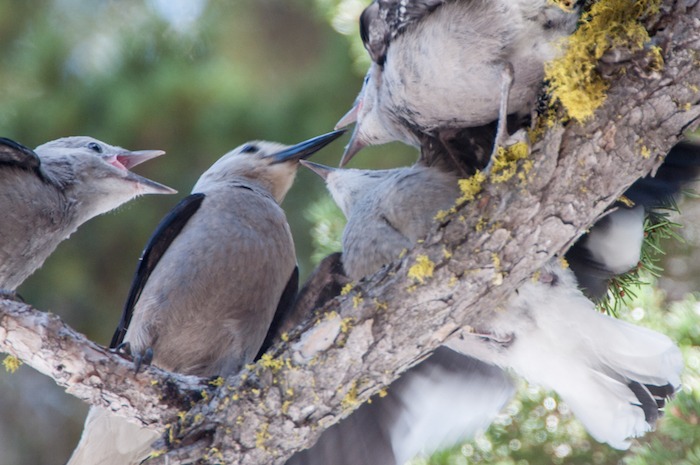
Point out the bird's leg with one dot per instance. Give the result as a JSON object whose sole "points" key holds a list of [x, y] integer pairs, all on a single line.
{"points": [[7, 294], [143, 359], [493, 338], [502, 136]]}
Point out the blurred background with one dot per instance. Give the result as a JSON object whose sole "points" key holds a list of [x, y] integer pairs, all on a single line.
{"points": [[197, 78]]}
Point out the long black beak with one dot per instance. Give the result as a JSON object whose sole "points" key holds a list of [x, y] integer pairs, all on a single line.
{"points": [[307, 148]]}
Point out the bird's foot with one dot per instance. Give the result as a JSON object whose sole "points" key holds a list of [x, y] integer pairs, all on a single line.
{"points": [[507, 151], [123, 350], [7, 294], [505, 340], [143, 359]]}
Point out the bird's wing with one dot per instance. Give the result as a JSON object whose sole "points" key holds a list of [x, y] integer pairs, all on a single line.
{"points": [[284, 308], [599, 256], [15, 154], [383, 20], [442, 400], [164, 234]]}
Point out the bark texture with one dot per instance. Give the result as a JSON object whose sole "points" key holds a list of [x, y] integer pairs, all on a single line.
{"points": [[363, 340]]}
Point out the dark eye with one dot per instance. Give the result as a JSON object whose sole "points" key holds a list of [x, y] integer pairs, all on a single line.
{"points": [[249, 148], [95, 147]]}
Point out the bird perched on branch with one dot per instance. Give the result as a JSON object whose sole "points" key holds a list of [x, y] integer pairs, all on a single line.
{"points": [[615, 376], [210, 282], [442, 65], [48, 192]]}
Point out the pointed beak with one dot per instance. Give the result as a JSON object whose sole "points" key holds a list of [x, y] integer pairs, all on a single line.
{"points": [[321, 170], [146, 186], [349, 118], [130, 159], [307, 148], [355, 145]]}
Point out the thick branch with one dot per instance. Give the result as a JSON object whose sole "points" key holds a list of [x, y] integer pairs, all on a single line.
{"points": [[91, 372], [389, 322]]}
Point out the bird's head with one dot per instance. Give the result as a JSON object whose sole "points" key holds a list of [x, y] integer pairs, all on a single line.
{"points": [[270, 164], [347, 186], [96, 173], [370, 125]]}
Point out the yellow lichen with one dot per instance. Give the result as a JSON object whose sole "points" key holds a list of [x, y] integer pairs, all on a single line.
{"points": [[496, 261], [422, 269], [626, 201], [289, 392], [182, 415], [480, 225], [347, 288], [284, 337], [261, 435], [453, 281], [350, 398], [442, 214], [411, 288], [536, 276], [447, 254], [356, 301], [198, 418], [470, 187], [218, 382], [564, 263], [382, 392], [379, 305], [346, 324], [285, 406], [11, 363], [274, 364], [154, 382], [574, 78], [239, 420], [205, 396], [506, 161]]}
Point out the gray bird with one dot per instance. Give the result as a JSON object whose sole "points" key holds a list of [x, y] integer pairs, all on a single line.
{"points": [[615, 376], [443, 65], [212, 277], [46, 193]]}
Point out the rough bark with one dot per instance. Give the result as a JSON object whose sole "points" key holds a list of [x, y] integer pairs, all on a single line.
{"points": [[363, 340]]}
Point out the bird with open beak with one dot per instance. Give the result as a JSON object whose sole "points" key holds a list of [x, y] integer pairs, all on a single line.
{"points": [[48, 192]]}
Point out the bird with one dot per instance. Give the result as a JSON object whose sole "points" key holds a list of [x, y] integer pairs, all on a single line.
{"points": [[613, 244], [48, 192], [615, 376], [440, 66], [380, 225], [215, 275]]}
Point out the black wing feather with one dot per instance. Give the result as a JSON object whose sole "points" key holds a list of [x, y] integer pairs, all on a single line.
{"points": [[165, 233], [284, 308], [15, 154]]}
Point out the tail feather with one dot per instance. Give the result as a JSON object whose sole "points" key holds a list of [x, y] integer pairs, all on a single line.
{"points": [[111, 440]]}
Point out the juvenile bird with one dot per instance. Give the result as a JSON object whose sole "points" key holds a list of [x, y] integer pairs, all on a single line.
{"points": [[211, 279], [47, 193], [549, 333], [443, 65]]}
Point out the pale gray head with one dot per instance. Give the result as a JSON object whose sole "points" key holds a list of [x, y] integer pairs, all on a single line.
{"points": [[96, 174], [270, 164], [371, 126], [347, 186]]}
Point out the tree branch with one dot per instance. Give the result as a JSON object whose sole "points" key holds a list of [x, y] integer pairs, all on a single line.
{"points": [[387, 323]]}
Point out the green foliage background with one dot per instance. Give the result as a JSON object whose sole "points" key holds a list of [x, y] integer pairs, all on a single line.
{"points": [[196, 87]]}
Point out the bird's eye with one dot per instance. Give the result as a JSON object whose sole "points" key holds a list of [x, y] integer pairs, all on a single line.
{"points": [[95, 147], [248, 148]]}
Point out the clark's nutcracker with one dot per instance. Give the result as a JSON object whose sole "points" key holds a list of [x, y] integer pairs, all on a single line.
{"points": [[46, 193], [213, 275], [615, 376], [443, 65]]}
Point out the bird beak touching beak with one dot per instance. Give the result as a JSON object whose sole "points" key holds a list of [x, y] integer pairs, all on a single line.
{"points": [[307, 148], [321, 170], [355, 145]]}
